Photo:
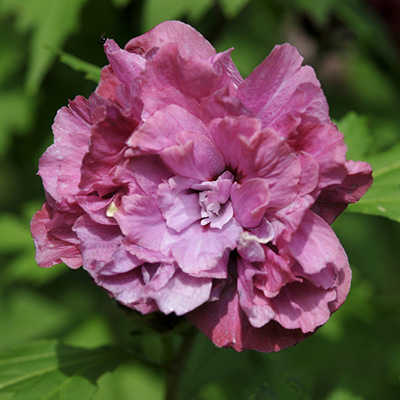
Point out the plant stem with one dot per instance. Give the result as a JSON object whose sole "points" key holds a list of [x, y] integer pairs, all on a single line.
{"points": [[175, 365]]}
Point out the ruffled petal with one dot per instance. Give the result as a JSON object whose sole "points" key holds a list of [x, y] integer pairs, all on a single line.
{"points": [[250, 199], [161, 129], [127, 66], [141, 221], [269, 89], [225, 323], [51, 250], [196, 157], [198, 249], [267, 156], [314, 245], [302, 305], [191, 41], [334, 199]]}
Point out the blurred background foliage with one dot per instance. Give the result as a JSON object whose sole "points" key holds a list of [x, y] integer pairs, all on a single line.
{"points": [[353, 46]]}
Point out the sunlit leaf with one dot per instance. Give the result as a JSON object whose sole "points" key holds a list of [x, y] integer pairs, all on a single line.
{"points": [[356, 135], [343, 394], [383, 198], [50, 370], [130, 381]]}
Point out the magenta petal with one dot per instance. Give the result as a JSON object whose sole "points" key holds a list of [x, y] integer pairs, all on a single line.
{"points": [[307, 105], [71, 130], [325, 144], [149, 172], [302, 305], [252, 301], [183, 293], [192, 42], [51, 250], [141, 221], [170, 77], [270, 87], [226, 133], [196, 157], [250, 199], [184, 212], [169, 191], [126, 66], [161, 129], [225, 323], [334, 199], [122, 262], [98, 242], [314, 245], [266, 155]]}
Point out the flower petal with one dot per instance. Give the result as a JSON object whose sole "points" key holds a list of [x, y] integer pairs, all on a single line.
{"points": [[196, 157], [51, 250], [249, 200], [127, 66], [141, 221], [225, 323], [192, 42], [183, 293], [267, 156], [314, 245], [334, 199], [268, 90], [198, 249], [302, 305], [161, 129]]}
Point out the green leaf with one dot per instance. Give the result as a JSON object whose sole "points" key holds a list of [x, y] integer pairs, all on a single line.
{"points": [[356, 135], [92, 72], [50, 370], [49, 22], [343, 394], [383, 198]]}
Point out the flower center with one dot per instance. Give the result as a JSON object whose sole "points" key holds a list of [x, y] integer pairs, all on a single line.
{"points": [[214, 199]]}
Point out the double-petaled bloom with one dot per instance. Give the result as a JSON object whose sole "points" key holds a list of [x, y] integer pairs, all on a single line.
{"points": [[183, 188]]}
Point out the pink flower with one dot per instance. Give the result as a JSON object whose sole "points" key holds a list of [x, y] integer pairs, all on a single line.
{"points": [[182, 188]]}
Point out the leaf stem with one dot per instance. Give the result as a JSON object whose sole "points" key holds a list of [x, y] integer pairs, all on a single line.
{"points": [[175, 365]]}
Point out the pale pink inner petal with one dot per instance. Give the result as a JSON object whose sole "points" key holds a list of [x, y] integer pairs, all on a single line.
{"points": [[184, 211], [250, 200], [183, 293], [198, 248]]}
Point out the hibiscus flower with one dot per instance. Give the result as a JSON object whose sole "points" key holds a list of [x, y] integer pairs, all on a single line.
{"points": [[183, 188]]}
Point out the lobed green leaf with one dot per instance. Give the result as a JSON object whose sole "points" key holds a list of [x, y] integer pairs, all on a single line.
{"points": [[383, 198], [50, 370]]}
